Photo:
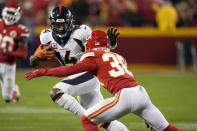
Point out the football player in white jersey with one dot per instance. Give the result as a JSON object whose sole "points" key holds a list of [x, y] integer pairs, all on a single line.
{"points": [[66, 42]]}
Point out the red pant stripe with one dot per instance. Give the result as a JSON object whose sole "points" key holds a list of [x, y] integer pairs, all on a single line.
{"points": [[104, 108]]}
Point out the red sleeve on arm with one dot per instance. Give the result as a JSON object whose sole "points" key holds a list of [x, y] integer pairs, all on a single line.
{"points": [[21, 53], [87, 64]]}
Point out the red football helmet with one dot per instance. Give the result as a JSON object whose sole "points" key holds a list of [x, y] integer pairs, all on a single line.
{"points": [[11, 14], [98, 41]]}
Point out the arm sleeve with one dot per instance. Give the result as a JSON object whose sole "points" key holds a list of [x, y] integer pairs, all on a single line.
{"points": [[20, 53], [24, 31], [22, 50], [87, 64]]}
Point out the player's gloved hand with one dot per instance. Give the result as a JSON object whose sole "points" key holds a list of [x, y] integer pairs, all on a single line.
{"points": [[44, 53], [35, 73], [113, 34]]}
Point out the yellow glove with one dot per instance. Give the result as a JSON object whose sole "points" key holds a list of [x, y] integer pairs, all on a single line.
{"points": [[44, 53]]}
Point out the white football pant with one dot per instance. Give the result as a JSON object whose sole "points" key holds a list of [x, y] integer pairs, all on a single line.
{"points": [[127, 100], [7, 80], [87, 89]]}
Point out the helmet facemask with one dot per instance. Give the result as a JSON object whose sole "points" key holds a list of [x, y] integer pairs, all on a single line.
{"points": [[11, 15], [61, 29]]}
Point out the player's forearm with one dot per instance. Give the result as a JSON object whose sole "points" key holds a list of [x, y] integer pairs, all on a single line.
{"points": [[22, 53], [62, 71], [69, 70], [57, 72]]}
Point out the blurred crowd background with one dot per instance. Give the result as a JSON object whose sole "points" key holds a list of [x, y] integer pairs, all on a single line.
{"points": [[161, 14], [119, 13]]}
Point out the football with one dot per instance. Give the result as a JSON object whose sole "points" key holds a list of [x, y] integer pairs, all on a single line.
{"points": [[44, 46]]}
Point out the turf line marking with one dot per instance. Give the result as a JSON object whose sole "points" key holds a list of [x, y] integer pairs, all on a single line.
{"points": [[52, 110], [30, 110]]}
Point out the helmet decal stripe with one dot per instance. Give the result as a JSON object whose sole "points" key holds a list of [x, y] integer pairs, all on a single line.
{"points": [[60, 9]]}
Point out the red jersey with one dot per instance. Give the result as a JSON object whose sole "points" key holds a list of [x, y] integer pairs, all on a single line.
{"points": [[9, 37], [110, 68]]}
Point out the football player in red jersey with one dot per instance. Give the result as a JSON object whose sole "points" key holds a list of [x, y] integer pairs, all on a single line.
{"points": [[13, 44], [111, 70]]}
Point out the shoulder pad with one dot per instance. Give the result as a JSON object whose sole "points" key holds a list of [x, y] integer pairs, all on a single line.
{"points": [[46, 30], [87, 54], [85, 27], [82, 33], [44, 35]]}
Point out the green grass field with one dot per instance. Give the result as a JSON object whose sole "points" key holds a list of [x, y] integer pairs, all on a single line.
{"points": [[175, 94]]}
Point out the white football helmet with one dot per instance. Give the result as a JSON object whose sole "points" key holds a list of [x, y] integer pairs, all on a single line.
{"points": [[11, 14]]}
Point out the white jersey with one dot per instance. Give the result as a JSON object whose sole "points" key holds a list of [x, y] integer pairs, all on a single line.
{"points": [[67, 51]]}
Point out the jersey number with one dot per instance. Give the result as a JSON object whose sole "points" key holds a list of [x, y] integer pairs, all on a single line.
{"points": [[6, 43], [69, 59], [119, 67]]}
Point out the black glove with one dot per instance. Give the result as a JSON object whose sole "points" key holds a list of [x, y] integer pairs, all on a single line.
{"points": [[112, 34]]}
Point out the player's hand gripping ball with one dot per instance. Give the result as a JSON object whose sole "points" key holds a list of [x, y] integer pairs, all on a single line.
{"points": [[44, 52]]}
